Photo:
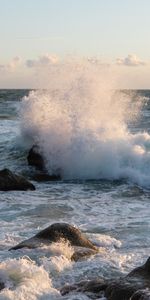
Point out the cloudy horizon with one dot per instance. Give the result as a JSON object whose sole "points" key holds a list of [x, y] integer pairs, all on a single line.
{"points": [[39, 34]]}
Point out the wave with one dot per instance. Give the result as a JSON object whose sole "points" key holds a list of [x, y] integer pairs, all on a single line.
{"points": [[81, 125], [25, 280]]}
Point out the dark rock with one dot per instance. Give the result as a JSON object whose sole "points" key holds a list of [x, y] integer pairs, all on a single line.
{"points": [[93, 286], [86, 286], [135, 286], [35, 158], [45, 177], [142, 271], [2, 286], [10, 181], [56, 232], [141, 295], [67, 289], [130, 287], [83, 253], [120, 290]]}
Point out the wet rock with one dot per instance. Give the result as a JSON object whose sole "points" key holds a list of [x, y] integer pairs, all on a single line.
{"points": [[2, 286], [118, 290], [83, 253], [86, 286], [141, 295], [143, 272], [40, 177], [10, 181], [35, 158], [135, 286], [68, 288], [132, 285], [55, 233]]}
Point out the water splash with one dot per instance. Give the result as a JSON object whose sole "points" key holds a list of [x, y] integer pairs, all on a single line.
{"points": [[81, 125], [25, 280]]}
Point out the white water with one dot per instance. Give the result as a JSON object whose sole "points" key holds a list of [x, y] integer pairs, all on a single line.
{"points": [[37, 274], [115, 215], [24, 280], [80, 125]]}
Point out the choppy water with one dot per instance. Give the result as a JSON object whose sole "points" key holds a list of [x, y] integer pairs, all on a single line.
{"points": [[112, 208]]}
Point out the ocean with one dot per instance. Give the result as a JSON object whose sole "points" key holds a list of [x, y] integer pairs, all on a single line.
{"points": [[101, 147]]}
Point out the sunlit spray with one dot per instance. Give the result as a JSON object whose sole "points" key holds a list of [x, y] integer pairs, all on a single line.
{"points": [[80, 123]]}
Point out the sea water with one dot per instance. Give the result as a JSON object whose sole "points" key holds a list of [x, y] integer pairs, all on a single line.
{"points": [[98, 139]]}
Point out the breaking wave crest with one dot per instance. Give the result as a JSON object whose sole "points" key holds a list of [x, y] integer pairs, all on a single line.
{"points": [[81, 125], [25, 280]]}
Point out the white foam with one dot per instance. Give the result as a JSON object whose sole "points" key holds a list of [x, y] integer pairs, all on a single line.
{"points": [[106, 241], [60, 248], [81, 126], [25, 280], [60, 258]]}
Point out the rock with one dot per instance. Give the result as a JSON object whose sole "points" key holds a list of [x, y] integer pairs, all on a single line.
{"points": [[142, 271], [120, 290], [2, 286], [35, 158], [94, 286], [135, 286], [10, 181], [45, 177], [56, 232], [83, 253], [141, 295], [130, 287], [67, 289], [86, 286]]}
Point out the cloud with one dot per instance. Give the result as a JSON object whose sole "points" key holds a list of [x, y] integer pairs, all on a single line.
{"points": [[98, 62], [12, 65], [42, 61], [15, 62], [131, 60]]}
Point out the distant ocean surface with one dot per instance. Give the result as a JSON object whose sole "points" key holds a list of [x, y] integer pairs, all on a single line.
{"points": [[102, 150]]}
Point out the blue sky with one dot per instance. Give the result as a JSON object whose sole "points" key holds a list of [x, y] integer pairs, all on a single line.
{"points": [[109, 29]]}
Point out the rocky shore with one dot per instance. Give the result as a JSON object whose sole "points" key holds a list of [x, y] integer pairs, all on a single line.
{"points": [[134, 286]]}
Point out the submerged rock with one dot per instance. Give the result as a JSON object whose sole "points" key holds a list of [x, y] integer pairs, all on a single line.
{"points": [[55, 233], [10, 181]]}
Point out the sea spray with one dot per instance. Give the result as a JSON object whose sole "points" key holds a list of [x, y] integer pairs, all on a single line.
{"points": [[81, 123], [23, 280], [60, 259]]}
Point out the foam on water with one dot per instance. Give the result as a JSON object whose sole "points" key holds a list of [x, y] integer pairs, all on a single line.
{"points": [[80, 124], [39, 273], [25, 280], [103, 240], [61, 253], [81, 127]]}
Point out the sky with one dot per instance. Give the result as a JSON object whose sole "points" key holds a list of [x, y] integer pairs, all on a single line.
{"points": [[39, 33]]}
